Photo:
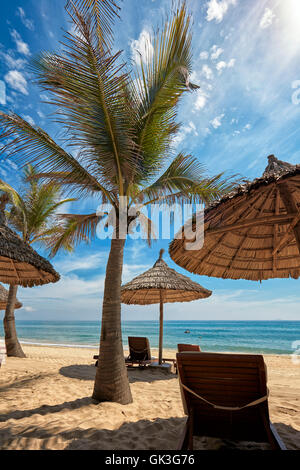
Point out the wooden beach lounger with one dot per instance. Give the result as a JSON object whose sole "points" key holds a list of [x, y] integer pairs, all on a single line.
{"points": [[139, 353], [225, 396], [188, 347]]}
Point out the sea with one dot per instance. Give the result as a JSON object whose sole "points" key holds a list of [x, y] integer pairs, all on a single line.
{"points": [[266, 337]]}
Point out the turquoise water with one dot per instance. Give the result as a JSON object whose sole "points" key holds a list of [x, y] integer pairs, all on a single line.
{"points": [[267, 337]]}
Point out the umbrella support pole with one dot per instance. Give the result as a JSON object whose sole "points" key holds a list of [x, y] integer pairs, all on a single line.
{"points": [[161, 327]]}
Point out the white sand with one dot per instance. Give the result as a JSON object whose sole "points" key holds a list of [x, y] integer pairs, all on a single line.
{"points": [[45, 404]]}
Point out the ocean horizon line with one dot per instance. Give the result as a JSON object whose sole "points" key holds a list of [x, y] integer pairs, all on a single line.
{"points": [[165, 321]]}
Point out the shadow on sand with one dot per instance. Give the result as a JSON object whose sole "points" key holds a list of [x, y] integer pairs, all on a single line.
{"points": [[87, 372], [46, 409], [158, 434]]}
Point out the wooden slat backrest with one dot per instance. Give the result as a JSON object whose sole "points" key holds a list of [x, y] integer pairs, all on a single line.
{"points": [[188, 347], [231, 380], [139, 348]]}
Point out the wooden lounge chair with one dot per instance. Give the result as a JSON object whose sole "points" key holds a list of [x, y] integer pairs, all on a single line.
{"points": [[188, 347], [139, 352], [225, 396]]}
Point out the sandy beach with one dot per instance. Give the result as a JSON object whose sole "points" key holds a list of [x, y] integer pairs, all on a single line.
{"points": [[45, 403]]}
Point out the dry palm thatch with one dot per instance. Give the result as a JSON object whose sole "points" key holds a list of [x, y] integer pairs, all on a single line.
{"points": [[252, 233], [161, 284], [3, 299], [19, 263], [146, 288]]}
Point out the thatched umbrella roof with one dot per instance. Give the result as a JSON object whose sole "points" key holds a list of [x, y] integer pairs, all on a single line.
{"points": [[252, 233], [161, 284], [19, 263], [145, 289], [3, 299]]}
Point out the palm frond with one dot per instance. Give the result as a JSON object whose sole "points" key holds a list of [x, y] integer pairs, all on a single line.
{"points": [[158, 86], [88, 89], [75, 228], [186, 180], [35, 146], [103, 12], [14, 196], [32, 211]]}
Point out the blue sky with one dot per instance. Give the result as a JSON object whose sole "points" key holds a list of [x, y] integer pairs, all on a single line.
{"points": [[247, 61]]}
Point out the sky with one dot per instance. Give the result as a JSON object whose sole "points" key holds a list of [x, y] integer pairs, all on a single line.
{"points": [[246, 59]]}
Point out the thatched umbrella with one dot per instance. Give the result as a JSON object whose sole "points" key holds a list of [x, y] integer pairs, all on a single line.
{"points": [[161, 284], [4, 297], [19, 265], [252, 233]]}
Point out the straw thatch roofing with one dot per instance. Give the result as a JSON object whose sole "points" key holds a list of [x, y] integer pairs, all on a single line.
{"points": [[145, 289], [252, 233], [19, 263], [3, 299]]}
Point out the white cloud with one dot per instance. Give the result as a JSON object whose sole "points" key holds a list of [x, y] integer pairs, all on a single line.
{"points": [[26, 21], [40, 114], [28, 309], [223, 65], [267, 18], [17, 81], [247, 127], [44, 97], [204, 55], [216, 122], [193, 127], [68, 288], [3, 172], [189, 129], [12, 164], [73, 263], [28, 119], [221, 306], [11, 62], [201, 100], [142, 48], [207, 72], [216, 52], [216, 10], [22, 46], [73, 296], [2, 93]]}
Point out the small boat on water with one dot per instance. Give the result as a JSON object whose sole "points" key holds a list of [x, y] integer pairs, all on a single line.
{"points": [[187, 331]]}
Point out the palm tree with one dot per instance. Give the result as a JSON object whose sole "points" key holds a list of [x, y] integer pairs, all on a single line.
{"points": [[121, 124], [32, 213]]}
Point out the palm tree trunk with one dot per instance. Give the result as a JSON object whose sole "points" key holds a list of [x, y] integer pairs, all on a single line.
{"points": [[13, 347], [111, 382]]}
